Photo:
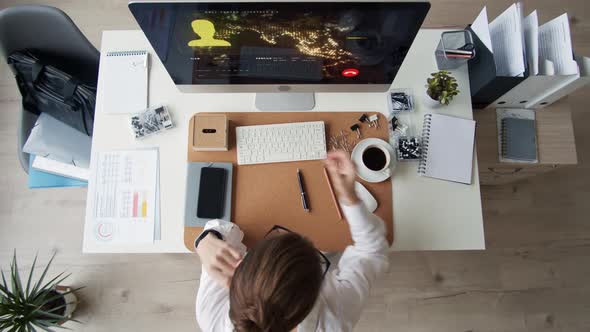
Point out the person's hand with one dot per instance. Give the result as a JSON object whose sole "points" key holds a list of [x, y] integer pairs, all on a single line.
{"points": [[219, 259], [342, 174]]}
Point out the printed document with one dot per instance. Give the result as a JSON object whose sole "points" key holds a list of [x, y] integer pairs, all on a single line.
{"points": [[507, 37], [481, 28], [124, 194], [555, 45]]}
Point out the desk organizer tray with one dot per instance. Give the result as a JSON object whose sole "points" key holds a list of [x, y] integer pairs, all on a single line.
{"points": [[265, 195]]}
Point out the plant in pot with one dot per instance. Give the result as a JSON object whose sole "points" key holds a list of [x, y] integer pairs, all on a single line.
{"points": [[34, 306], [441, 87]]}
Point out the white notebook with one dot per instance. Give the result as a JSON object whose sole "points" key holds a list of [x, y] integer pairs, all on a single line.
{"points": [[125, 85], [447, 145]]}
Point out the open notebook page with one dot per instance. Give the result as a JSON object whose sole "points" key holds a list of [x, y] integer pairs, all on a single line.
{"points": [[450, 148]]}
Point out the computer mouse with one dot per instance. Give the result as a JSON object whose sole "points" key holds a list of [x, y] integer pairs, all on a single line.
{"points": [[365, 196]]}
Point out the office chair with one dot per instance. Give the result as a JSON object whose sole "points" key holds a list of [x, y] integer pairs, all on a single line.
{"points": [[49, 32]]}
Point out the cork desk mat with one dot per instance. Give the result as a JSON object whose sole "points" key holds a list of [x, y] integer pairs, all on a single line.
{"points": [[265, 195]]}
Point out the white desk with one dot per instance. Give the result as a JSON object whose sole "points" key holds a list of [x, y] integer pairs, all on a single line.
{"points": [[429, 214]]}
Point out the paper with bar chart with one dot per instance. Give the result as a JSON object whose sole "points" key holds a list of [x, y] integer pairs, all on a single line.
{"points": [[124, 195]]}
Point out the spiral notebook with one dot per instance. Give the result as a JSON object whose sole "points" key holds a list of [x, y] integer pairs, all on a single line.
{"points": [[519, 139], [125, 84], [447, 145]]}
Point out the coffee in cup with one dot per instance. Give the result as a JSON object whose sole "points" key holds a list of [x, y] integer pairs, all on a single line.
{"points": [[375, 158]]}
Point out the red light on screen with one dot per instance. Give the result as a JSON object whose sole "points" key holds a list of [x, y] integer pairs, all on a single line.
{"points": [[350, 72]]}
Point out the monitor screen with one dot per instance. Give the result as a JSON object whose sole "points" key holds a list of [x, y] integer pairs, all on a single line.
{"points": [[281, 43]]}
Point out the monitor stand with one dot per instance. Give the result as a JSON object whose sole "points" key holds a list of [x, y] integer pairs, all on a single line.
{"points": [[285, 101]]}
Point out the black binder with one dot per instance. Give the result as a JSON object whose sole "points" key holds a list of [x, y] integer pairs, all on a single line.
{"points": [[486, 86]]}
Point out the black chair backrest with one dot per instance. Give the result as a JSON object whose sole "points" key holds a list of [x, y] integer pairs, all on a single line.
{"points": [[53, 36]]}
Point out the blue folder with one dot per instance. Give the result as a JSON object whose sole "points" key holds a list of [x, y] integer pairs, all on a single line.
{"points": [[39, 179]]}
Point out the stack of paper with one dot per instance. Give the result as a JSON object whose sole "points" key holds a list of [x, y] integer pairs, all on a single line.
{"points": [[504, 38], [518, 44], [509, 37]]}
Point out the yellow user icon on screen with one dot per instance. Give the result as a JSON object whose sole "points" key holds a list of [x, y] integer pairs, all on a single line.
{"points": [[205, 29]]}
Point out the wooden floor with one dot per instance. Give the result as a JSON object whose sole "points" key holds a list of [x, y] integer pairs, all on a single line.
{"points": [[535, 275]]}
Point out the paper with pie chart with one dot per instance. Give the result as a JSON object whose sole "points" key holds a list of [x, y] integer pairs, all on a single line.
{"points": [[125, 196]]}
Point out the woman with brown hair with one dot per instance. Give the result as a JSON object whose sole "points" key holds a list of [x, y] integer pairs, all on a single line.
{"points": [[284, 283]]}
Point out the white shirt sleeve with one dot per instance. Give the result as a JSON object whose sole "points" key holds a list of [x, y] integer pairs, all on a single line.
{"points": [[347, 287], [212, 306]]}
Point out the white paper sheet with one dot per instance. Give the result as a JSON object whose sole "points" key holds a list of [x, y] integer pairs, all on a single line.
{"points": [[555, 44], [124, 196], [507, 37], [62, 169], [481, 28], [531, 40]]}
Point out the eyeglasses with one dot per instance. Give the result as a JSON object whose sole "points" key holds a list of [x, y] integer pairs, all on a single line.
{"points": [[278, 230]]}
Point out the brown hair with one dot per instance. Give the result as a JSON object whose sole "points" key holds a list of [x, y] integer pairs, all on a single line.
{"points": [[276, 285]]}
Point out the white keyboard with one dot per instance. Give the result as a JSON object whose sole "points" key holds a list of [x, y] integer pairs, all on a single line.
{"points": [[281, 142]]}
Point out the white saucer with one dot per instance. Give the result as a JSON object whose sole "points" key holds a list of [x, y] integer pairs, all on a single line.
{"points": [[362, 171]]}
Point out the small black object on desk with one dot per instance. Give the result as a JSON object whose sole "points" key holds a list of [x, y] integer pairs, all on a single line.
{"points": [[409, 149], [302, 189], [357, 128]]}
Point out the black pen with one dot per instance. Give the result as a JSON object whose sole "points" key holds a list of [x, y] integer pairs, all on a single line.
{"points": [[303, 195]]}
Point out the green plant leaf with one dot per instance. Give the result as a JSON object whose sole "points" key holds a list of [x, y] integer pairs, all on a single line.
{"points": [[6, 292], [38, 313], [4, 279], [49, 324], [16, 284], [43, 327], [14, 329], [50, 316], [4, 325], [72, 290], [40, 281], [30, 276], [54, 281]]}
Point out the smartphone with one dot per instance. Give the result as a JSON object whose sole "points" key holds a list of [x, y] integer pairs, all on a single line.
{"points": [[211, 198]]}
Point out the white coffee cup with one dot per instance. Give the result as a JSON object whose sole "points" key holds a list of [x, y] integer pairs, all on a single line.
{"points": [[375, 164]]}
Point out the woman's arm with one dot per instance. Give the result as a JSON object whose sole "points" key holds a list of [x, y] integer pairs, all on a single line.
{"points": [[219, 258], [360, 265], [347, 287]]}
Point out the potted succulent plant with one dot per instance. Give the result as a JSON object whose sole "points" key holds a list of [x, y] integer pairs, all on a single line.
{"points": [[34, 306], [441, 87]]}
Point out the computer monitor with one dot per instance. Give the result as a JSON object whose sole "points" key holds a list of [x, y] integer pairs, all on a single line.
{"points": [[283, 51]]}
